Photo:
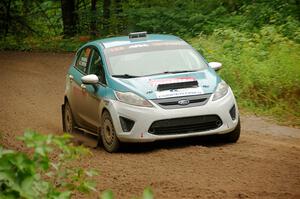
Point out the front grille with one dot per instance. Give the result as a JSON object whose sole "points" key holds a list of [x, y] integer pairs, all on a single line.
{"points": [[172, 103], [185, 125]]}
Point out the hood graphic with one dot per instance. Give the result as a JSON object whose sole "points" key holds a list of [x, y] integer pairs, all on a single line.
{"points": [[174, 85]]}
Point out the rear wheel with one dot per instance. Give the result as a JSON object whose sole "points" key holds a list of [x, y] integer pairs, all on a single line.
{"points": [[109, 138], [234, 135], [68, 119]]}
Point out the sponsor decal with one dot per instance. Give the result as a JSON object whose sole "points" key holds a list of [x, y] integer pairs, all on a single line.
{"points": [[169, 43], [117, 49], [138, 45], [82, 63], [179, 92], [176, 92], [155, 82]]}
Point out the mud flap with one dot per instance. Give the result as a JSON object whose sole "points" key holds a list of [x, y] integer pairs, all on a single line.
{"points": [[63, 116]]}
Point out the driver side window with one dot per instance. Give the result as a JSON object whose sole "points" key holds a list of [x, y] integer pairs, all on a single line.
{"points": [[82, 60], [96, 66]]}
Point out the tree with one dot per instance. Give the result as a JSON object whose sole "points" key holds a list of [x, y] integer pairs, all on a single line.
{"points": [[93, 18], [6, 7], [106, 16], [69, 17], [120, 23]]}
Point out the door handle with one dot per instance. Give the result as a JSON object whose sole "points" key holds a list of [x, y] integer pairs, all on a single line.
{"points": [[71, 77], [83, 87]]}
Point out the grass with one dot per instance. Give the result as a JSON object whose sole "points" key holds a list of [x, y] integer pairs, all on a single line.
{"points": [[263, 69]]}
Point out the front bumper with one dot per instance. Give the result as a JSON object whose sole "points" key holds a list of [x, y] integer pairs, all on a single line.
{"points": [[144, 117]]}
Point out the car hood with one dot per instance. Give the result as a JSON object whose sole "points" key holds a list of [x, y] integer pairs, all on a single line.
{"points": [[148, 86]]}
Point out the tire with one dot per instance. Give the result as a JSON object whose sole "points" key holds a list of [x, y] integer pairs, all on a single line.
{"points": [[109, 137], [68, 119], [233, 136]]}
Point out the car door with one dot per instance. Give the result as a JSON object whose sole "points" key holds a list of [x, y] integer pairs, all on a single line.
{"points": [[77, 89], [94, 93]]}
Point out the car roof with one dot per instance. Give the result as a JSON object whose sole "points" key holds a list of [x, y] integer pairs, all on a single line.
{"points": [[125, 40]]}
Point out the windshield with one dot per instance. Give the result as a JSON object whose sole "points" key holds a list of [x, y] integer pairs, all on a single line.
{"points": [[150, 59]]}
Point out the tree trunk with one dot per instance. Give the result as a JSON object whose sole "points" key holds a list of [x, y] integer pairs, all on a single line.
{"points": [[69, 17], [297, 2], [93, 18], [118, 13], [106, 16], [8, 18]]}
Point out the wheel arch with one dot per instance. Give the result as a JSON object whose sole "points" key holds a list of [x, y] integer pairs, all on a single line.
{"points": [[112, 112], [66, 99], [105, 109]]}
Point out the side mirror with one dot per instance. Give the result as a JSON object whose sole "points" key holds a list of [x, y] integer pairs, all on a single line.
{"points": [[215, 65], [90, 79]]}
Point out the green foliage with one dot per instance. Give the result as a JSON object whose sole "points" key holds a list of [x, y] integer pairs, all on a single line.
{"points": [[262, 68], [24, 18], [42, 19], [49, 171], [190, 18], [108, 194], [37, 176], [148, 194], [53, 44]]}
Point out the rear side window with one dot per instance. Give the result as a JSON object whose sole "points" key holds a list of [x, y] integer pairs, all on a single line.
{"points": [[82, 60]]}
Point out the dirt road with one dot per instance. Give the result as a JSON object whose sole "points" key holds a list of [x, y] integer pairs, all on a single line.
{"points": [[265, 163]]}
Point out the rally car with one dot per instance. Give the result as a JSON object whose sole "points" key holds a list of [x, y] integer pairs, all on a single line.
{"points": [[146, 87]]}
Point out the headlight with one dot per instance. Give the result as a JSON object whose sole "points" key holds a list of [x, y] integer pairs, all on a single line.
{"points": [[133, 99], [221, 91]]}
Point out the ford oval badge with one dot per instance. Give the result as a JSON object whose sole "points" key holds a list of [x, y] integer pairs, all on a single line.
{"points": [[184, 102]]}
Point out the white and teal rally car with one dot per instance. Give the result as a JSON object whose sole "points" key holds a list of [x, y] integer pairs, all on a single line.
{"points": [[146, 87]]}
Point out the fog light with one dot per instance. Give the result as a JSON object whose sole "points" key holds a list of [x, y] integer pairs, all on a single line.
{"points": [[219, 123], [126, 124], [232, 112]]}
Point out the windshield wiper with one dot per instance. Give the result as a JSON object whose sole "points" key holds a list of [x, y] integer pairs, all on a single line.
{"points": [[180, 71], [173, 72], [125, 76]]}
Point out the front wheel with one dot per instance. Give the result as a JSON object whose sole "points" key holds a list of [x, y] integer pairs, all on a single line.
{"points": [[109, 138], [68, 120], [234, 135]]}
